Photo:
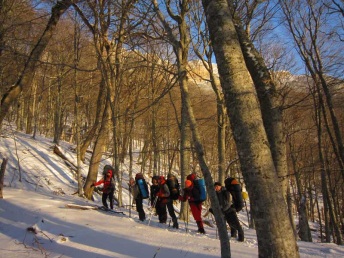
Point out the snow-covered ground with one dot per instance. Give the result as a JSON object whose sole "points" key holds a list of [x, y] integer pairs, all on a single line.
{"points": [[38, 203]]}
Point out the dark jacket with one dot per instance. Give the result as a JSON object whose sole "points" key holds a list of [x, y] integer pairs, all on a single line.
{"points": [[224, 199], [154, 189], [192, 194]]}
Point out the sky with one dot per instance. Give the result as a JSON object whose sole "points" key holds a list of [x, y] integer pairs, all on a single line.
{"points": [[35, 222]]}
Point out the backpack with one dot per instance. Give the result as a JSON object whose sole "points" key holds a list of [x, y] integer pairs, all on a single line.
{"points": [[233, 186], [142, 185], [199, 183], [173, 186]]}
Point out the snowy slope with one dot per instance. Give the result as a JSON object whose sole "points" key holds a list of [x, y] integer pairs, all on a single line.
{"points": [[35, 222]]}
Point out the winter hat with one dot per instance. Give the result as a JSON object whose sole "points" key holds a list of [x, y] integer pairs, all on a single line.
{"points": [[188, 183], [217, 183]]}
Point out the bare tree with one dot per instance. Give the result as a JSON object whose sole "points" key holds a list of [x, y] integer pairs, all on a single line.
{"points": [[305, 26], [203, 50], [276, 237], [25, 77], [180, 43]]}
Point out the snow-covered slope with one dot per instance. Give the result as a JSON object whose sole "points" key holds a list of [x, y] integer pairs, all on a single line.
{"points": [[35, 222]]}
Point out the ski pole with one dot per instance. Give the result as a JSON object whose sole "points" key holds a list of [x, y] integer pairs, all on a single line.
{"points": [[129, 201], [187, 219]]}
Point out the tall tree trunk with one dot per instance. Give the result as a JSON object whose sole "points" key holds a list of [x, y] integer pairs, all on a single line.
{"points": [[269, 101], [275, 235], [304, 229], [221, 137], [185, 154], [2, 175], [58, 113], [31, 105], [26, 76], [98, 151], [96, 125]]}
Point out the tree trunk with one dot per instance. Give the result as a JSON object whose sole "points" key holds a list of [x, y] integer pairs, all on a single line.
{"points": [[275, 235], [304, 230], [98, 151], [31, 104], [221, 138], [2, 175], [95, 128], [269, 102], [185, 154]]}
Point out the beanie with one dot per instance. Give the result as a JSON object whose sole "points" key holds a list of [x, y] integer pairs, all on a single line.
{"points": [[217, 183], [188, 183]]}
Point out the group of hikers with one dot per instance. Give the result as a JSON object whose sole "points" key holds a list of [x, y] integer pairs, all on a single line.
{"points": [[164, 191]]}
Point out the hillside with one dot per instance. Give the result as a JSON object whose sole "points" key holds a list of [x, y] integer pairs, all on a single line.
{"points": [[35, 222]]}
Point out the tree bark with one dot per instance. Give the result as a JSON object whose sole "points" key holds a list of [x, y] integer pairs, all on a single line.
{"points": [[272, 110], [2, 175], [275, 236], [98, 151]]}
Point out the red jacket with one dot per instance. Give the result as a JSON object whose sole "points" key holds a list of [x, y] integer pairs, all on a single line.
{"points": [[108, 183]]}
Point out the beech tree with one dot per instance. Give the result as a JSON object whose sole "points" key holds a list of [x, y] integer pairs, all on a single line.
{"points": [[276, 237]]}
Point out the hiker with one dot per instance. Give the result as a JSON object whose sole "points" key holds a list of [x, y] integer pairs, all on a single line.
{"points": [[173, 186], [192, 194], [163, 197], [154, 188], [137, 196], [109, 188], [229, 211]]}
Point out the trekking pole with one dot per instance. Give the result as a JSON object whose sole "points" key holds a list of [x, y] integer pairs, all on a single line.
{"points": [[216, 225], [151, 212], [129, 201], [187, 219]]}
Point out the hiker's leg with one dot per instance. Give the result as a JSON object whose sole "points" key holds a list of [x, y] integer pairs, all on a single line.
{"points": [[104, 198]]}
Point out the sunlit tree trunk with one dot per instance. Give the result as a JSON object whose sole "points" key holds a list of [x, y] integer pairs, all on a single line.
{"points": [[275, 235], [269, 101], [98, 152]]}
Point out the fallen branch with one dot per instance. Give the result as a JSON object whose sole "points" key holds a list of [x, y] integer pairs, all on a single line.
{"points": [[80, 207]]}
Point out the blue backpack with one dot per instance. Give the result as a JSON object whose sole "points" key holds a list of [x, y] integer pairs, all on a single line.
{"points": [[142, 184], [200, 185]]}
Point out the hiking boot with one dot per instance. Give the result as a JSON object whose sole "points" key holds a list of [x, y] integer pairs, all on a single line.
{"points": [[175, 223], [241, 238], [201, 231], [234, 233]]}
